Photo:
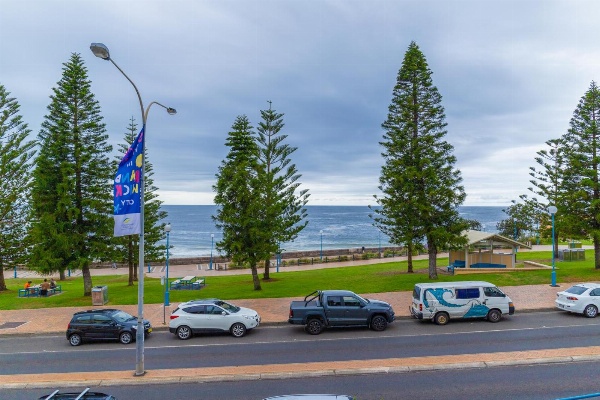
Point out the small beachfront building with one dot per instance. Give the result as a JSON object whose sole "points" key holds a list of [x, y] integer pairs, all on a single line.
{"points": [[486, 250]]}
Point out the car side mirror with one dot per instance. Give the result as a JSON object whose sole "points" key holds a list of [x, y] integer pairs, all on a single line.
{"points": [[223, 313]]}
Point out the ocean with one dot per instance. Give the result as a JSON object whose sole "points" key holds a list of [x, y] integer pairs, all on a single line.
{"points": [[343, 227]]}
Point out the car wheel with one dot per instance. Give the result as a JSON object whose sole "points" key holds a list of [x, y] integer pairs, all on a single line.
{"points": [[314, 326], [75, 339], [125, 337], [441, 318], [494, 316], [590, 311], [238, 329], [184, 332], [378, 323]]}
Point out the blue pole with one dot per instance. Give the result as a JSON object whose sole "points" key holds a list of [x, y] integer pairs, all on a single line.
{"points": [[321, 245], [379, 234], [167, 274], [553, 260], [15, 272], [212, 238]]}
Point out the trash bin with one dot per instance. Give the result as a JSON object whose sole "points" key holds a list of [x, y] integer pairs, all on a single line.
{"points": [[564, 255], [99, 295], [578, 254]]}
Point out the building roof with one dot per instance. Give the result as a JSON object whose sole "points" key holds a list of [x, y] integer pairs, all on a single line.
{"points": [[475, 237]]}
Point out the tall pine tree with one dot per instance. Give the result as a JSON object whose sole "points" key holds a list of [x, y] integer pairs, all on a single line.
{"points": [[284, 206], [127, 246], [583, 178], [240, 201], [421, 189], [16, 154], [72, 193]]}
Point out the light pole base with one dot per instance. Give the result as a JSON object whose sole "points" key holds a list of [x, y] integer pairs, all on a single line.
{"points": [[553, 276]]}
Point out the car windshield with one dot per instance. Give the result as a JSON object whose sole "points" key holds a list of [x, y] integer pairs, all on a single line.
{"points": [[576, 290], [229, 307], [363, 299], [122, 316]]}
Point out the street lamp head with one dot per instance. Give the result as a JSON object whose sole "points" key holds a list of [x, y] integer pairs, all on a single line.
{"points": [[100, 50], [168, 227], [212, 235], [321, 231], [171, 111], [552, 210]]}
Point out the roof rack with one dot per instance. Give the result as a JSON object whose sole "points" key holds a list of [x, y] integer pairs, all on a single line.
{"points": [[51, 396]]}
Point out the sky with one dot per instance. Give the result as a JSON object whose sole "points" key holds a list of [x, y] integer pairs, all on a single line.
{"points": [[510, 73]]}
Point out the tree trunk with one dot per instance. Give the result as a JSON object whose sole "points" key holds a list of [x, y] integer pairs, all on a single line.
{"points": [[61, 275], [130, 264], [596, 251], [2, 281], [432, 251], [130, 268], [135, 272], [87, 280], [255, 278], [267, 265], [409, 255]]}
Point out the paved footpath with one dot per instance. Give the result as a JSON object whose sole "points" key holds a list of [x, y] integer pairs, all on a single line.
{"points": [[275, 311]]}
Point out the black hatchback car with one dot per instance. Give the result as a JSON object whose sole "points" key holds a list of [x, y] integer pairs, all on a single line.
{"points": [[104, 324]]}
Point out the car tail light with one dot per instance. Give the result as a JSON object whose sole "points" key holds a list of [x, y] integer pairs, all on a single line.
{"points": [[421, 307], [291, 313], [572, 298], [174, 316]]}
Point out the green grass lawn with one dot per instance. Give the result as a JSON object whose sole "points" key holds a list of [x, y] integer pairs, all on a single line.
{"points": [[375, 278]]}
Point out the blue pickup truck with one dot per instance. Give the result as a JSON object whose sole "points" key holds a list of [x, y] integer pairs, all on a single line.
{"points": [[339, 308]]}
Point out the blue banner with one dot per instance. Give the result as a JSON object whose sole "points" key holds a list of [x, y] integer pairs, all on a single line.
{"points": [[127, 193]]}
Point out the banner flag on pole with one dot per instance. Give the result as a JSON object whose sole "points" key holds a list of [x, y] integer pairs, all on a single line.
{"points": [[127, 190]]}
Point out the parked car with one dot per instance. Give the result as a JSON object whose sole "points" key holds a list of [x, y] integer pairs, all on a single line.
{"points": [[84, 395], [469, 299], [583, 298], [336, 308], [104, 324], [211, 315]]}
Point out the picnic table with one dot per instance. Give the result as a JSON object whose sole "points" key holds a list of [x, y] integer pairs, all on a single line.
{"points": [[187, 282], [34, 291]]}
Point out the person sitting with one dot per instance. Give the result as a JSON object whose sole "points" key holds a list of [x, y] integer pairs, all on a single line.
{"points": [[44, 288], [52, 283], [27, 284]]}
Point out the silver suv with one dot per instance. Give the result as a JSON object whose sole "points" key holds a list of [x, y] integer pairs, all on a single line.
{"points": [[211, 315]]}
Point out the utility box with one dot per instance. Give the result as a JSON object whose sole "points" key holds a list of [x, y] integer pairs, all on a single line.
{"points": [[99, 295]]}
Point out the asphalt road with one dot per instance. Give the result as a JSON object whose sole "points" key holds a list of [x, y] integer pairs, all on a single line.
{"points": [[290, 344], [538, 382]]}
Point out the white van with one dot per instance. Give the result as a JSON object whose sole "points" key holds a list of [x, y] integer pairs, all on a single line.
{"points": [[470, 299]]}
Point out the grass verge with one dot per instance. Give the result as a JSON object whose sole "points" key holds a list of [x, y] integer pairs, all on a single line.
{"points": [[374, 278]]}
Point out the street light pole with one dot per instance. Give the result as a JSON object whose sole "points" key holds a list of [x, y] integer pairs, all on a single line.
{"points": [[101, 51], [321, 232], [212, 239], [552, 210], [168, 231]]}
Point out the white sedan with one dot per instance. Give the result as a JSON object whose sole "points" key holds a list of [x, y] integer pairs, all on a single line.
{"points": [[583, 298], [211, 315]]}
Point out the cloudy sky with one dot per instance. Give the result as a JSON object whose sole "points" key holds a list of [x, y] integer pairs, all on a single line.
{"points": [[510, 73]]}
